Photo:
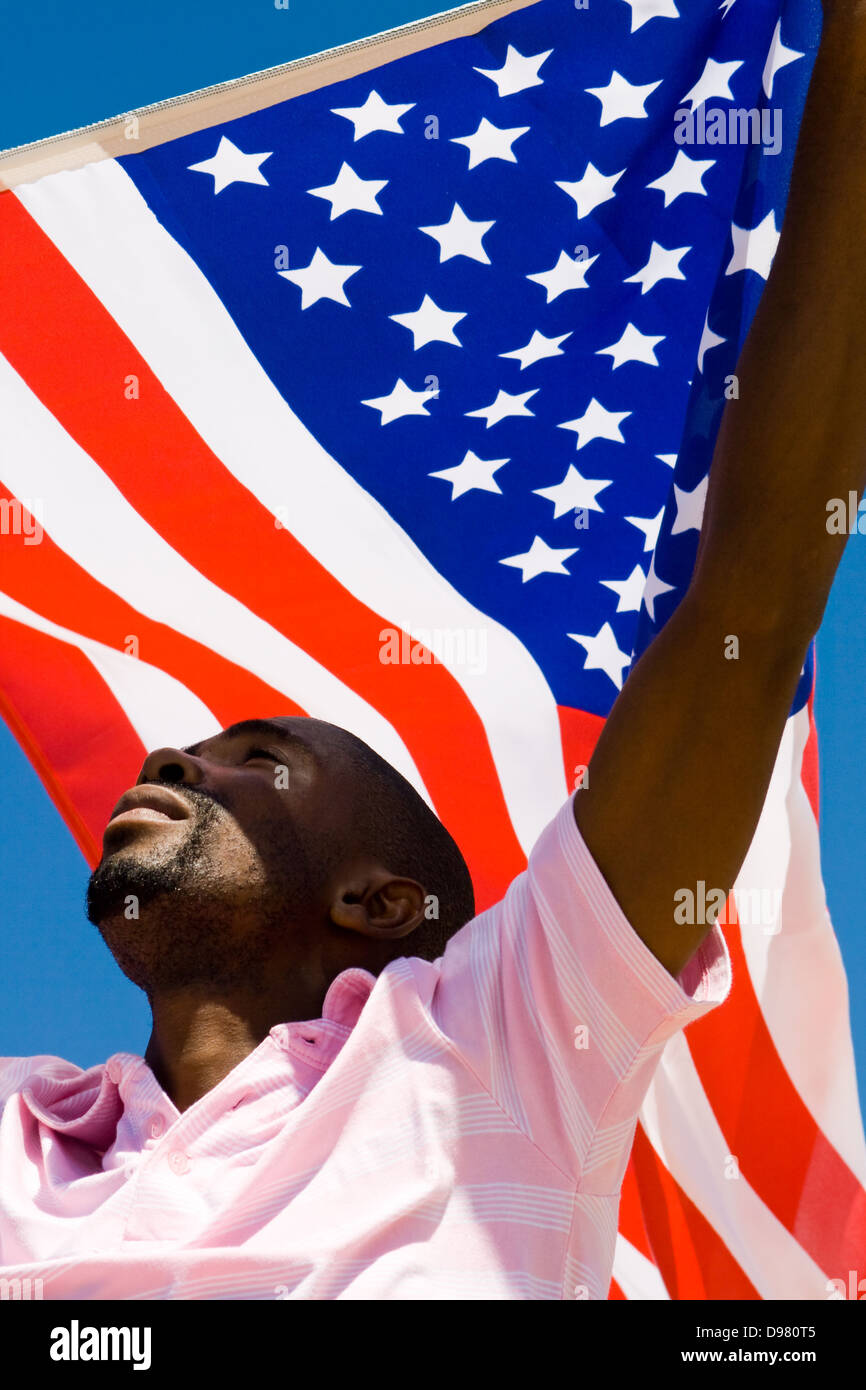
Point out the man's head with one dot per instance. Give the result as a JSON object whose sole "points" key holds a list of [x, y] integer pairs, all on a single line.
{"points": [[278, 845]]}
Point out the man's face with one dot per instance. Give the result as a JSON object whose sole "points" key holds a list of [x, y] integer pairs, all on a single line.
{"points": [[210, 864]]}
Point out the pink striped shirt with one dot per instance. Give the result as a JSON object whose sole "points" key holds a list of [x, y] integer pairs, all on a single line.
{"points": [[448, 1130]]}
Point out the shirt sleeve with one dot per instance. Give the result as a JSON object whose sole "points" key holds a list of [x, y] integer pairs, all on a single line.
{"points": [[562, 1011]]}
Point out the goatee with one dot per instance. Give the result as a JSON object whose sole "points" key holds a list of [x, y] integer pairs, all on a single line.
{"points": [[174, 923]]}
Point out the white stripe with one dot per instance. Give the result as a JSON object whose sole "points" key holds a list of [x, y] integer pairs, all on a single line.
{"points": [[637, 1276], [795, 964], [167, 308], [680, 1124], [91, 520], [161, 711]]}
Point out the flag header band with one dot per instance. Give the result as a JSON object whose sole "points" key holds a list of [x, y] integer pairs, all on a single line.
{"points": [[225, 101]]}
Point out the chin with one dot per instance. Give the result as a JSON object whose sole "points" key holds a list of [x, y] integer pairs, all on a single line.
{"points": [[123, 883]]}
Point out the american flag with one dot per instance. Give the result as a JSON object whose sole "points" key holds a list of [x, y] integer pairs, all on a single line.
{"points": [[392, 401]]}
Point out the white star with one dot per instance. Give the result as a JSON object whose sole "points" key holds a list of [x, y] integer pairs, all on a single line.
{"points": [[540, 558], [349, 193], [754, 247], [574, 491], [669, 459], [231, 165], [630, 591], [726, 5], [684, 176], [375, 114], [536, 349], [650, 525], [430, 324], [517, 73], [591, 190], [642, 11], [713, 82], [504, 406], [597, 423], [489, 142], [401, 401], [460, 237], [619, 98], [603, 654], [663, 264], [709, 340], [655, 587], [690, 507], [472, 472], [567, 274], [633, 346], [321, 279], [778, 57]]}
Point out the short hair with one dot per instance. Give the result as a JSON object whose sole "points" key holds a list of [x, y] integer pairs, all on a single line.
{"points": [[396, 824]]}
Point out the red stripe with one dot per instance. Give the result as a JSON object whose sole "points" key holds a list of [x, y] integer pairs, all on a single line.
{"points": [[631, 1223], [631, 1219], [579, 732], [45, 579], [182, 489], [70, 726], [809, 772], [780, 1149], [693, 1260]]}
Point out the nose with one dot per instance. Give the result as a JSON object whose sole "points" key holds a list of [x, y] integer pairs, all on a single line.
{"points": [[170, 765]]}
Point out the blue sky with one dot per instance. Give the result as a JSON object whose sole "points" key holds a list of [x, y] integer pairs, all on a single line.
{"points": [[63, 66]]}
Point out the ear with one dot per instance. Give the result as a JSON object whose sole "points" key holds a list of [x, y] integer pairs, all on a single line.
{"points": [[379, 906]]}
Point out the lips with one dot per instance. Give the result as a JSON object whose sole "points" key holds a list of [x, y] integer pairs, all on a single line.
{"points": [[150, 804]]}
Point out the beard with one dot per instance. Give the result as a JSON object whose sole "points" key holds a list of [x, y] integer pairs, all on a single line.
{"points": [[177, 922]]}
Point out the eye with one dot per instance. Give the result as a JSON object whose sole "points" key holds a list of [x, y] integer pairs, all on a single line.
{"points": [[262, 753]]}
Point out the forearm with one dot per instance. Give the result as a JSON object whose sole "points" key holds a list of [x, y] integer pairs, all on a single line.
{"points": [[796, 435]]}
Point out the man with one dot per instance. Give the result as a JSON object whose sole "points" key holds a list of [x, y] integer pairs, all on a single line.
{"points": [[353, 1087]]}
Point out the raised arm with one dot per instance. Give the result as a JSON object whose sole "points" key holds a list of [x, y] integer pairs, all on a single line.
{"points": [[679, 775]]}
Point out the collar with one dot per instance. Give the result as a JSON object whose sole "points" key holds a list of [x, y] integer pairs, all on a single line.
{"points": [[88, 1104], [317, 1041], [347, 995]]}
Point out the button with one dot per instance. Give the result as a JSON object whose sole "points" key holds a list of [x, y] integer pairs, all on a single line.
{"points": [[114, 1070], [129, 1170], [157, 1126], [178, 1162]]}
